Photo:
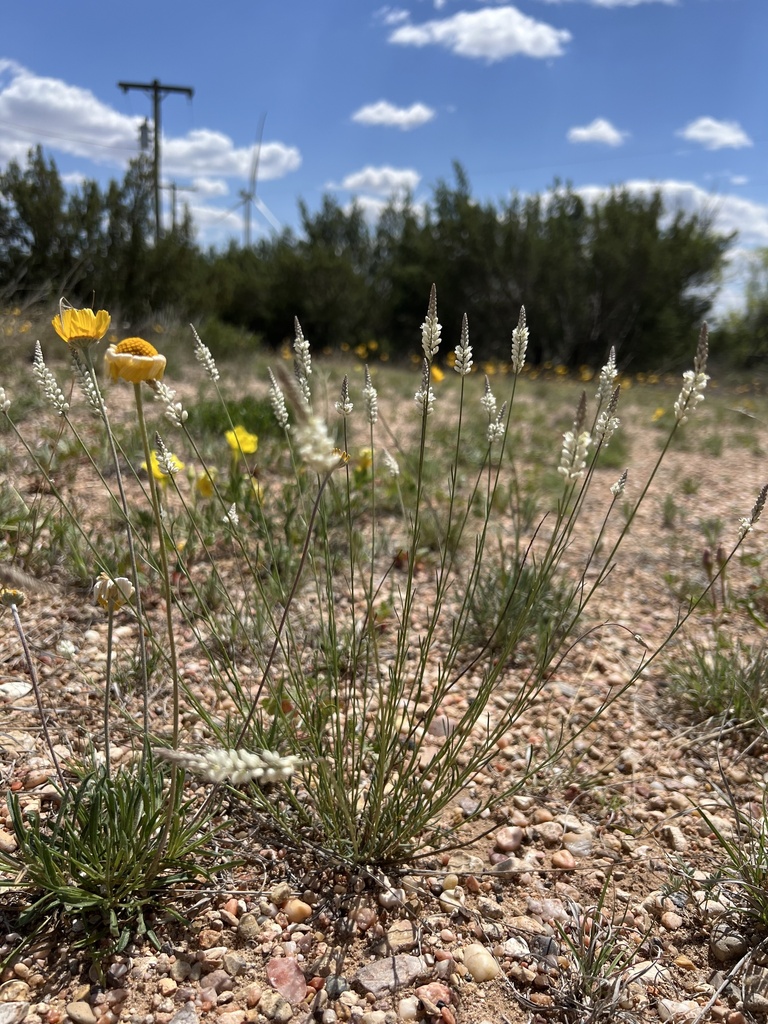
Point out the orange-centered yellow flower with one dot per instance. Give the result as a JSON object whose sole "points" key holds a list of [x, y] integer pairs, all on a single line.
{"points": [[240, 440], [134, 360], [81, 327]]}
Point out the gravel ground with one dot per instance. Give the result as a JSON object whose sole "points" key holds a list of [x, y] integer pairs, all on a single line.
{"points": [[578, 865]]}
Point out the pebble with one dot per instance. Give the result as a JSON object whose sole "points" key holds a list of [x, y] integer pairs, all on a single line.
{"points": [[489, 909], [726, 942], [509, 839], [287, 978], [248, 927], [550, 833], [274, 1007], [480, 963], [677, 1012], [186, 1015], [671, 921], [391, 898], [408, 1008], [385, 976], [563, 859], [280, 893], [579, 843], [13, 1013], [14, 991], [8, 842], [435, 993], [81, 1012], [401, 936], [755, 989], [297, 911]]}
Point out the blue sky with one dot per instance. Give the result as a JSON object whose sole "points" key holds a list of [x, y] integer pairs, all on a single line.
{"points": [[366, 100]]}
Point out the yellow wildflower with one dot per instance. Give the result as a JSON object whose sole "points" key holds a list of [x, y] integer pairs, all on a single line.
{"points": [[437, 374], [80, 328], [204, 487], [240, 440], [657, 414], [134, 360], [157, 471]]}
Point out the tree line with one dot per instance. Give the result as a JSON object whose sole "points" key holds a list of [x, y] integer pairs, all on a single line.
{"points": [[622, 272]]}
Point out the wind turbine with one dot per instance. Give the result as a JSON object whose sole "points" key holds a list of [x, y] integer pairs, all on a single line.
{"points": [[249, 198]]}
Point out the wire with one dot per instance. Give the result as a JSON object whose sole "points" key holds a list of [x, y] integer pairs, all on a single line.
{"points": [[45, 133]]}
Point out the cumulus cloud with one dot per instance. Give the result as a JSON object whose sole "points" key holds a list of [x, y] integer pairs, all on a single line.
{"points": [[729, 212], [206, 152], [599, 130], [210, 186], [69, 119], [385, 113], [392, 15], [618, 3], [713, 134], [490, 34], [381, 180]]}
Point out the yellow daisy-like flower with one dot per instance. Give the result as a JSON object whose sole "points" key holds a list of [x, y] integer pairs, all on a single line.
{"points": [[240, 440], [437, 374], [157, 470], [81, 328], [134, 360], [204, 483]]}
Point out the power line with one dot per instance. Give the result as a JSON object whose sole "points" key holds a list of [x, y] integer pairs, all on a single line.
{"points": [[46, 133], [158, 93]]}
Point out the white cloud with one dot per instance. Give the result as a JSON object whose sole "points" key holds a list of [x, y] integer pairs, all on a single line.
{"points": [[599, 130], [392, 15], [490, 34], [381, 180], [210, 186], [739, 179], [206, 152], [69, 119], [618, 3], [713, 134], [385, 113], [729, 212]]}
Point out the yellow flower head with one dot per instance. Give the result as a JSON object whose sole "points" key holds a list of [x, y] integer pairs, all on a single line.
{"points": [[240, 440], [134, 360], [437, 374], [365, 460], [157, 471], [80, 328], [204, 483]]}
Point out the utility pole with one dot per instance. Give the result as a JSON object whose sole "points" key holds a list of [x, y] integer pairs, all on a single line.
{"points": [[173, 188], [158, 93]]}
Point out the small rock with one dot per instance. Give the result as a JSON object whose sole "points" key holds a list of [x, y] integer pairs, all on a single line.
{"points": [[219, 981], [180, 970], [671, 921], [81, 1012], [248, 927], [489, 909], [8, 842], [509, 839], [579, 843], [550, 833], [517, 947], [234, 964], [563, 859], [13, 1013], [408, 1008], [480, 963], [674, 838], [436, 993], [297, 911], [186, 1015], [14, 991], [231, 1017], [286, 976], [401, 936], [391, 898], [280, 893], [374, 1017], [726, 942], [385, 976], [252, 995], [676, 1012], [274, 1007], [755, 989]]}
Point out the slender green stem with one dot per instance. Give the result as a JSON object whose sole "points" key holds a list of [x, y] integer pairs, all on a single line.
{"points": [[37, 690], [164, 569], [108, 687]]}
